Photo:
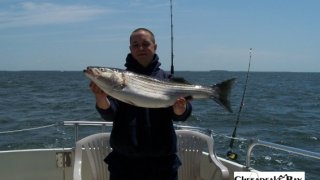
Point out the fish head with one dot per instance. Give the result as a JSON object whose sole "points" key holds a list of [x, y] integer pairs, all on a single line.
{"points": [[108, 79]]}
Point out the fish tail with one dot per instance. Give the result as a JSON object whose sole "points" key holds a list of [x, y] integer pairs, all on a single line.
{"points": [[222, 93]]}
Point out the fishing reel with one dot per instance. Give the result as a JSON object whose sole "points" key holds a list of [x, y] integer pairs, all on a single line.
{"points": [[232, 155]]}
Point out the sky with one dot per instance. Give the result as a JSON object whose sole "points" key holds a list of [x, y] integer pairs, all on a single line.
{"points": [[207, 34]]}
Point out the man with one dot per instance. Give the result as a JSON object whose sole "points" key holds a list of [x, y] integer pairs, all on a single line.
{"points": [[143, 139]]}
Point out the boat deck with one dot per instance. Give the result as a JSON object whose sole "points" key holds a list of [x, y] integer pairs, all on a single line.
{"points": [[58, 163]]}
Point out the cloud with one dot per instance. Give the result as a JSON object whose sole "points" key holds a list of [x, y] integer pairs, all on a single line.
{"points": [[31, 14]]}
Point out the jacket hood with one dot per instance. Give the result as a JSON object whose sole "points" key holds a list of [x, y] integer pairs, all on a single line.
{"points": [[133, 65]]}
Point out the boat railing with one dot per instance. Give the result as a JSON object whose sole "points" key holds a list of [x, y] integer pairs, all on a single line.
{"points": [[252, 143], [77, 124], [256, 142], [105, 124]]}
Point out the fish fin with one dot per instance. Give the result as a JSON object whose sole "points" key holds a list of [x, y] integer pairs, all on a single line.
{"points": [[119, 87], [179, 80], [223, 89]]}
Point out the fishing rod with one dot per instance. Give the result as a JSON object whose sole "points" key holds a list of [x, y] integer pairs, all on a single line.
{"points": [[231, 154], [172, 67]]}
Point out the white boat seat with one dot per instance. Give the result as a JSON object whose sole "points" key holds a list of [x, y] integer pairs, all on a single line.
{"points": [[191, 147], [97, 148]]}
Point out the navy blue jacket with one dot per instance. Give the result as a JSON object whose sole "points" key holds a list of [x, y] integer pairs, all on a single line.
{"points": [[143, 132]]}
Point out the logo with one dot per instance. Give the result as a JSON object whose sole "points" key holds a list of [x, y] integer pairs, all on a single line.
{"points": [[270, 175]]}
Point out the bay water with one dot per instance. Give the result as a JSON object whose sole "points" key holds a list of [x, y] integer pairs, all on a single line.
{"points": [[279, 107]]}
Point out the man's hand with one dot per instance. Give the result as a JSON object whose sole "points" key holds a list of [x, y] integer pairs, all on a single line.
{"points": [[180, 106], [96, 90], [101, 97]]}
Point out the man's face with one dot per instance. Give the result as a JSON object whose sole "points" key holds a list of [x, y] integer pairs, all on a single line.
{"points": [[142, 47]]}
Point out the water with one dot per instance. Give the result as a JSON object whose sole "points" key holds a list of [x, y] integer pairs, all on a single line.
{"points": [[282, 108]]}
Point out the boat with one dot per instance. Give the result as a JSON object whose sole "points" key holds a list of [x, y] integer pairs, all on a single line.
{"points": [[84, 159]]}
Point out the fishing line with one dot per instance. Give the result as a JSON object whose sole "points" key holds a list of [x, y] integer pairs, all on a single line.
{"points": [[231, 154], [28, 129]]}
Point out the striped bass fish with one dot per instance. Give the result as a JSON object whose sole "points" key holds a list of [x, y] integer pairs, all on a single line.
{"points": [[148, 92]]}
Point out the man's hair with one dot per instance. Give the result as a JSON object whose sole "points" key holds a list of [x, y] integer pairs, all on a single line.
{"points": [[143, 29]]}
